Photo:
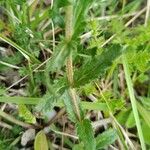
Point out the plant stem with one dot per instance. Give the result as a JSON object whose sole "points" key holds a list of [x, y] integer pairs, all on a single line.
{"points": [[68, 36], [69, 69], [75, 103], [115, 82], [69, 65], [133, 101], [12, 119]]}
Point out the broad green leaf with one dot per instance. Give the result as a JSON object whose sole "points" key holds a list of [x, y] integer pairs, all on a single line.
{"points": [[26, 54], [2, 91], [145, 101], [146, 131], [94, 106], [97, 66], [141, 60], [106, 138], [144, 113], [78, 147], [26, 114], [47, 104], [122, 116], [130, 123], [86, 135], [116, 104], [142, 78], [40, 142]]}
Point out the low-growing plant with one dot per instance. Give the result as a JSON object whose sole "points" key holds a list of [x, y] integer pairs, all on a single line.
{"points": [[81, 81]]}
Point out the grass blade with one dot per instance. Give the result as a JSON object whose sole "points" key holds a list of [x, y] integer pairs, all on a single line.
{"points": [[34, 101], [21, 100], [133, 101], [26, 54]]}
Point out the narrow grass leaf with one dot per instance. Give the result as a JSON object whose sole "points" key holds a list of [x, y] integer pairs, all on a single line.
{"points": [[34, 101], [133, 101], [20, 100], [26, 54], [94, 106]]}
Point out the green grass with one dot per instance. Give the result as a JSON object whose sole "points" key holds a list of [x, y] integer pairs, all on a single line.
{"points": [[133, 101]]}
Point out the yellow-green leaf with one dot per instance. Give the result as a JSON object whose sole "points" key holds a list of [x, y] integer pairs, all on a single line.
{"points": [[26, 114], [40, 142]]}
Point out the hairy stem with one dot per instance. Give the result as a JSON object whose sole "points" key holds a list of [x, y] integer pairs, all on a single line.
{"points": [[69, 65]]}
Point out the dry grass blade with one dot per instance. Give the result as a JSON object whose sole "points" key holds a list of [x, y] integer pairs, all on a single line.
{"points": [[147, 13]]}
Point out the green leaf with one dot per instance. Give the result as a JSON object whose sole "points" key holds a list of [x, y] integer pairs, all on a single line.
{"points": [[145, 101], [81, 8], [60, 3], [69, 106], [89, 89], [146, 131], [116, 104], [18, 2], [55, 13], [86, 135], [122, 116], [58, 59], [34, 101], [21, 100], [106, 138], [130, 123], [94, 106], [40, 142], [47, 104], [97, 66], [26, 114], [141, 60], [144, 113], [78, 147], [2, 91]]}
